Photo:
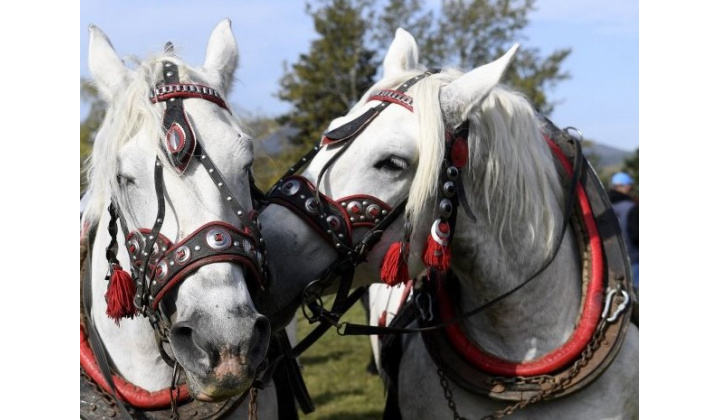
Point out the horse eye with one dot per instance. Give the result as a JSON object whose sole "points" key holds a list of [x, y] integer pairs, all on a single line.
{"points": [[392, 163], [125, 181]]}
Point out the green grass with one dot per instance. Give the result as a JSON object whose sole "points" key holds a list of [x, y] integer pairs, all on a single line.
{"points": [[334, 372]]}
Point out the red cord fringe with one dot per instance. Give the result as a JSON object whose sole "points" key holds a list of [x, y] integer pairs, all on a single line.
{"points": [[394, 268], [436, 255], [120, 295]]}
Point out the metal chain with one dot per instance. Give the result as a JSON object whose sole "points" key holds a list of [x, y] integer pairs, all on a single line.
{"points": [[448, 394], [252, 405], [105, 396], [555, 386]]}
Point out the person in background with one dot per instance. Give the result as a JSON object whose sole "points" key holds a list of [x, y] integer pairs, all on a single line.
{"points": [[628, 212]]}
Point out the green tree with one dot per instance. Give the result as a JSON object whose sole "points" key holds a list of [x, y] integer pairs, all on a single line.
{"points": [[411, 16], [327, 81], [89, 126], [470, 33]]}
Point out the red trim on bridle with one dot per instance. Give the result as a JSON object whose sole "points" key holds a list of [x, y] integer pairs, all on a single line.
{"points": [[298, 194], [394, 96], [197, 251], [588, 322], [187, 90]]}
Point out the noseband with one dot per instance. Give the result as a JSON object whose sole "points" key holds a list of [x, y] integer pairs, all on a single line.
{"points": [[158, 265]]}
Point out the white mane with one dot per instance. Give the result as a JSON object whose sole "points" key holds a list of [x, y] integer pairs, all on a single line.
{"points": [[130, 113], [510, 178]]}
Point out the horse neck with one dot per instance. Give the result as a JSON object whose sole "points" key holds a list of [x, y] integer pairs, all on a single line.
{"points": [[535, 319], [131, 345]]}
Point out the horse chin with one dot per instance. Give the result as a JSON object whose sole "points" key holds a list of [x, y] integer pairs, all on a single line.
{"points": [[219, 388]]}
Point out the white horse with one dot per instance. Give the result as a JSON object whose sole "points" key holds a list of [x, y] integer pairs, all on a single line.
{"points": [[524, 308], [169, 201]]}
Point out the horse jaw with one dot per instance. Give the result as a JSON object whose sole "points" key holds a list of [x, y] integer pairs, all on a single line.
{"points": [[221, 56], [402, 54], [106, 67], [459, 97]]}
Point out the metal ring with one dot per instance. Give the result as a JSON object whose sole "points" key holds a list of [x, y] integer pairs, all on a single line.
{"points": [[437, 235], [574, 133]]}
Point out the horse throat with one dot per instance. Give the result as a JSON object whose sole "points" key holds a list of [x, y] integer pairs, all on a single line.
{"points": [[530, 322]]}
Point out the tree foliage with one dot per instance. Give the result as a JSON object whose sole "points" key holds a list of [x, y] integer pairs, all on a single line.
{"points": [[469, 33], [89, 126], [324, 83]]}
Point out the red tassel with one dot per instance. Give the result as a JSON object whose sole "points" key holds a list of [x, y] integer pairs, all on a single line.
{"points": [[437, 255], [120, 295], [394, 267]]}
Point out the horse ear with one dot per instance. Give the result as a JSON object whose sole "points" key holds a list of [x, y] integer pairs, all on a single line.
{"points": [[402, 54], [106, 68], [221, 56], [459, 97]]}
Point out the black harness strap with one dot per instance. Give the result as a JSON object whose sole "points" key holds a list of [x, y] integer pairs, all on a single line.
{"points": [[93, 337]]}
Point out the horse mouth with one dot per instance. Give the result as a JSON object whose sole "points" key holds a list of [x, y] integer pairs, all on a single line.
{"points": [[231, 377], [215, 390]]}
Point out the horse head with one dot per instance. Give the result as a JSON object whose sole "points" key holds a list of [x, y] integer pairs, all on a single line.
{"points": [[171, 209], [388, 154]]}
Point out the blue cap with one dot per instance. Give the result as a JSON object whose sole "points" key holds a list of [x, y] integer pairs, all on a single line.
{"points": [[621, 178]]}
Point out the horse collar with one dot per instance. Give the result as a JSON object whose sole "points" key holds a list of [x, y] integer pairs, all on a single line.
{"points": [[604, 319]]}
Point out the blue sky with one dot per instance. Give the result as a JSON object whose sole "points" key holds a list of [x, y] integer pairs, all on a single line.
{"points": [[601, 99]]}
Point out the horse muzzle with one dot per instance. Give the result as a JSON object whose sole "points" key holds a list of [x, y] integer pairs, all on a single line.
{"points": [[217, 372]]}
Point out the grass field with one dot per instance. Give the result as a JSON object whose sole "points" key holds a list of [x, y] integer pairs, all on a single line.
{"points": [[335, 375]]}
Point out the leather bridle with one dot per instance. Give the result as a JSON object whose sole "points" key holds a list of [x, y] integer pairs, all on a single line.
{"points": [[158, 265], [335, 219]]}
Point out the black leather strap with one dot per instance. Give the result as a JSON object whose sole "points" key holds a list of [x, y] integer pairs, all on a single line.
{"points": [[93, 337]]}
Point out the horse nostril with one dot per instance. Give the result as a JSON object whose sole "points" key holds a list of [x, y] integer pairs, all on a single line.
{"points": [[192, 345], [260, 339]]}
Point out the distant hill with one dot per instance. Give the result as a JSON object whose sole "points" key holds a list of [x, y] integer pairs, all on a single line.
{"points": [[606, 156], [599, 154], [276, 141]]}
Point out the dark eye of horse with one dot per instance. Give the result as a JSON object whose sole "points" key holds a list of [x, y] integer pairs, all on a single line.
{"points": [[392, 163], [125, 181]]}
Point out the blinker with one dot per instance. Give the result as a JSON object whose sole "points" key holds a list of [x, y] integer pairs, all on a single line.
{"points": [[349, 130]]}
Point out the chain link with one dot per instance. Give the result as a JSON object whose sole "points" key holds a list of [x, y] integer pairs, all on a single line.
{"points": [[448, 394]]}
